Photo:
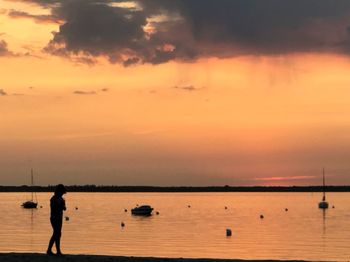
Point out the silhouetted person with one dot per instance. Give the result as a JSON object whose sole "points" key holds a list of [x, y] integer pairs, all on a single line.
{"points": [[57, 205]]}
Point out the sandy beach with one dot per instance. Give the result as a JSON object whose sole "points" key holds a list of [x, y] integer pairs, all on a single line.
{"points": [[35, 257]]}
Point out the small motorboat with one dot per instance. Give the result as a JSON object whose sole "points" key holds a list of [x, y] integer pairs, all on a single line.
{"points": [[323, 205], [29, 204], [142, 211]]}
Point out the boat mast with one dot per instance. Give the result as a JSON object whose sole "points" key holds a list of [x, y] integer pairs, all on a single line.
{"points": [[32, 181], [324, 188]]}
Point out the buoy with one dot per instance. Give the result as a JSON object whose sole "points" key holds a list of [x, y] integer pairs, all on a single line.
{"points": [[41, 206], [261, 216], [157, 213], [76, 208], [333, 206], [122, 224], [189, 206], [225, 207], [228, 232], [286, 209], [125, 210], [67, 218]]}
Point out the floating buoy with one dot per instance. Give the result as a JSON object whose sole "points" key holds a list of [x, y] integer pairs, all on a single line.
{"points": [[333, 206], [41, 206], [189, 206], [122, 224], [286, 209], [228, 232], [157, 213], [67, 218], [76, 208], [261, 216], [125, 210], [225, 207]]}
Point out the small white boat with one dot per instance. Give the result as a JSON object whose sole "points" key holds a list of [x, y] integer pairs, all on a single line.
{"points": [[323, 204], [142, 210]]}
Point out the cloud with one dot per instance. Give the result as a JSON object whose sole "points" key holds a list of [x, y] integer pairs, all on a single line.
{"points": [[158, 31], [37, 18], [2, 92], [131, 61], [4, 51], [94, 28], [79, 92], [284, 178], [188, 88]]}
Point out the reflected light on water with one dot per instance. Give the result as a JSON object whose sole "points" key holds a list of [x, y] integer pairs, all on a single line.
{"points": [[301, 232]]}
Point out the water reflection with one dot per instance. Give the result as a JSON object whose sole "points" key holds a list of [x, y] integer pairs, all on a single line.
{"points": [[31, 226], [324, 221], [182, 232]]}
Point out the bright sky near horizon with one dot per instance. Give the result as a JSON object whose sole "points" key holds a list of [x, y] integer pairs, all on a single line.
{"points": [[179, 92]]}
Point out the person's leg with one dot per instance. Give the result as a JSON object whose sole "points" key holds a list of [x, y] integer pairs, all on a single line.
{"points": [[52, 240], [58, 230]]}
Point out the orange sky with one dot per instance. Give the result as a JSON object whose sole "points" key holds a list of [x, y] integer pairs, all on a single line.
{"points": [[250, 120]]}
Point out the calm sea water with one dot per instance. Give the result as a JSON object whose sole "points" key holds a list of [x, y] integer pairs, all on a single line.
{"points": [[304, 232]]}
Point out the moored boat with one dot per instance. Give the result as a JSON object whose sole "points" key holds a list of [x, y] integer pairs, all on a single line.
{"points": [[30, 203], [144, 210], [323, 204]]}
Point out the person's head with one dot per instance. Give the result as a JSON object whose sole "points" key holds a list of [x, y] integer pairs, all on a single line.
{"points": [[60, 190]]}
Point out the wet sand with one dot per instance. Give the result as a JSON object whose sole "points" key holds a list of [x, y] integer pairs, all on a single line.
{"points": [[34, 257]]}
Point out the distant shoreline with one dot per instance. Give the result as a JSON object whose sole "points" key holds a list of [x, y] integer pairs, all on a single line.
{"points": [[35, 257], [150, 189]]}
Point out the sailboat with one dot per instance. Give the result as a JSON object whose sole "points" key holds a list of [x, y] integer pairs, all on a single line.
{"points": [[30, 203], [323, 204]]}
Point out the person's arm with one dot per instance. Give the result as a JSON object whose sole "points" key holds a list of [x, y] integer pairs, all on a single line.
{"points": [[64, 205]]}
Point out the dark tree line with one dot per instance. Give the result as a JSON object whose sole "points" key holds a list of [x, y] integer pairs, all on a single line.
{"points": [[95, 188]]}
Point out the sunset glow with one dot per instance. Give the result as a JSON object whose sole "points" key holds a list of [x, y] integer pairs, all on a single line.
{"points": [[137, 112]]}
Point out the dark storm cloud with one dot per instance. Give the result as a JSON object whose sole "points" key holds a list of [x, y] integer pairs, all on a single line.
{"points": [[191, 29], [131, 61], [94, 28], [255, 26]]}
